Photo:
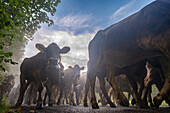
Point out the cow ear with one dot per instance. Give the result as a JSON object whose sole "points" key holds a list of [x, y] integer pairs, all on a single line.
{"points": [[82, 68], [40, 47], [64, 50]]}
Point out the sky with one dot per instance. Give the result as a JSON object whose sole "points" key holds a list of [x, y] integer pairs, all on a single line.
{"points": [[77, 21]]}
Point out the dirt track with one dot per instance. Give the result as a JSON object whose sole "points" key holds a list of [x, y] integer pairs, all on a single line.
{"points": [[81, 109]]}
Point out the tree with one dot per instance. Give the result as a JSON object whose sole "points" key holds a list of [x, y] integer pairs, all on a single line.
{"points": [[20, 19]]}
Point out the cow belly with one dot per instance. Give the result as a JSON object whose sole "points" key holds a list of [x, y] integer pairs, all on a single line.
{"points": [[120, 58]]}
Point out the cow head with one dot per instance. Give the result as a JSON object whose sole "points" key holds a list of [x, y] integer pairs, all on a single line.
{"points": [[76, 70], [52, 52]]}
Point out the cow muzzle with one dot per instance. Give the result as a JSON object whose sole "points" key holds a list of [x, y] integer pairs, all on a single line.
{"points": [[52, 61], [77, 76]]}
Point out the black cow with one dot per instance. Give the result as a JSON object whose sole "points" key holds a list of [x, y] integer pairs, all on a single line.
{"points": [[142, 35], [34, 69]]}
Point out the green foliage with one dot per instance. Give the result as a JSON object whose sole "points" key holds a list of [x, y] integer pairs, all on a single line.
{"points": [[20, 19]]}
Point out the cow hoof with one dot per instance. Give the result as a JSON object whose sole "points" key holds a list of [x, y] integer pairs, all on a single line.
{"points": [[112, 105], [28, 103], [39, 107], [152, 105], [157, 101], [133, 102], [125, 104], [34, 102], [144, 106], [85, 105], [58, 103], [74, 104], [95, 106], [50, 104], [44, 103]]}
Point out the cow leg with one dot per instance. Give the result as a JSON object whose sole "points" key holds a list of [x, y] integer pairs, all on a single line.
{"points": [[86, 92], [149, 96], [66, 98], [144, 103], [159, 86], [35, 89], [102, 86], [44, 101], [48, 85], [40, 89], [133, 94], [29, 98], [165, 91], [23, 87], [49, 97], [72, 98], [93, 96], [133, 84], [110, 93], [128, 96], [123, 100], [60, 96], [77, 97]]}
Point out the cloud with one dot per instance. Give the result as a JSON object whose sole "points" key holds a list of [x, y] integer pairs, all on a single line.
{"points": [[78, 53], [123, 11], [73, 22]]}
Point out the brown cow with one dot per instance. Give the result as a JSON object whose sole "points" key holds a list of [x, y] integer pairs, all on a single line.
{"points": [[142, 35], [33, 69], [71, 76]]}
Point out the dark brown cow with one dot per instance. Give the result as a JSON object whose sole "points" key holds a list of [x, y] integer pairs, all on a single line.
{"points": [[71, 76], [101, 76], [142, 35], [33, 69], [135, 74], [55, 75], [124, 85]]}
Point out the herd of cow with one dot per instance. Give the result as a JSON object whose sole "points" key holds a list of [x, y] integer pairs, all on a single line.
{"points": [[128, 56]]}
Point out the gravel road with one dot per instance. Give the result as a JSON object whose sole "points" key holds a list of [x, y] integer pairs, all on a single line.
{"points": [[81, 109]]}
